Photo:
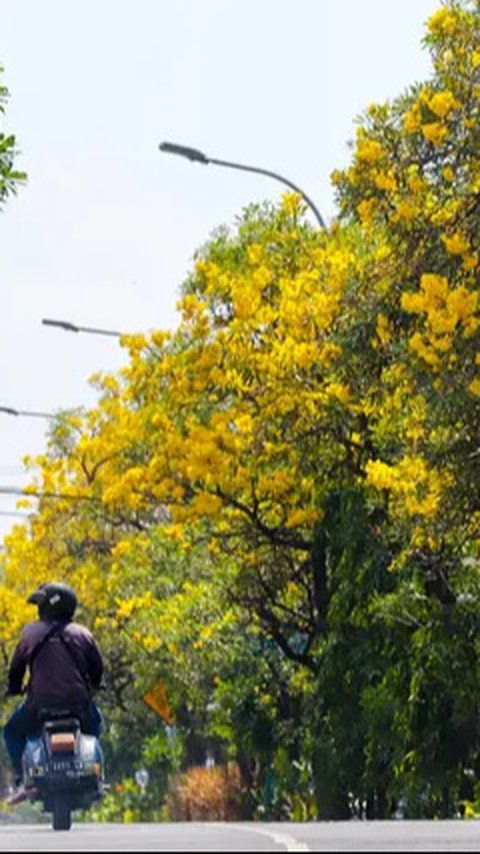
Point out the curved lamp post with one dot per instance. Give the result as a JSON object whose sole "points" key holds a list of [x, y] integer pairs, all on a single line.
{"points": [[9, 410], [72, 327], [199, 157], [13, 513]]}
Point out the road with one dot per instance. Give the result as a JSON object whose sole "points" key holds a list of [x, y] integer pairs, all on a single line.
{"points": [[338, 836]]}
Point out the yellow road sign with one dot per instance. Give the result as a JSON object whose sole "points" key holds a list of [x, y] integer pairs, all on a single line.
{"points": [[156, 698]]}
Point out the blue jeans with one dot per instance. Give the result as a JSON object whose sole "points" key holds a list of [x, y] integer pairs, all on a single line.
{"points": [[23, 723]]}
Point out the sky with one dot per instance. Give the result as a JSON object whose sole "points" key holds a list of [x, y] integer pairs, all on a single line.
{"points": [[106, 229]]}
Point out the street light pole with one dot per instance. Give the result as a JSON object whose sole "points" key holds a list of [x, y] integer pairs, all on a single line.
{"points": [[72, 327], [13, 513], [197, 156], [9, 410]]}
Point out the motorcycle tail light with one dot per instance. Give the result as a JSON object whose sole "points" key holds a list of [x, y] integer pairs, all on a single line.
{"points": [[62, 742]]}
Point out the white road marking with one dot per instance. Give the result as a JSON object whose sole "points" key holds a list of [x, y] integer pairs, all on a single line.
{"points": [[290, 843]]}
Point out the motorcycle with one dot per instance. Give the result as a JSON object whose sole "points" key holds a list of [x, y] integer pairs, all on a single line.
{"points": [[63, 767]]}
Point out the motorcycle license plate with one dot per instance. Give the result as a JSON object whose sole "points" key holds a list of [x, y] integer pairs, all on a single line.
{"points": [[65, 765]]}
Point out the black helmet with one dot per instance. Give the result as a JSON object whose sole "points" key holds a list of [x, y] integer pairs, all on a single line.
{"points": [[54, 601]]}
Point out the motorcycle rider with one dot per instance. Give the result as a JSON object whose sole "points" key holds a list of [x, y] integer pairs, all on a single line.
{"points": [[65, 668]]}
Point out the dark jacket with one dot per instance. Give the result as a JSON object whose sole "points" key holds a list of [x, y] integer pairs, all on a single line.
{"points": [[58, 677]]}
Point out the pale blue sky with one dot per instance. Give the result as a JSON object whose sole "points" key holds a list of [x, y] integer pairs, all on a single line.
{"points": [[106, 229]]}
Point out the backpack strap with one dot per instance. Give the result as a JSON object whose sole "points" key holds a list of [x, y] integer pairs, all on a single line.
{"points": [[57, 631], [53, 630], [74, 656]]}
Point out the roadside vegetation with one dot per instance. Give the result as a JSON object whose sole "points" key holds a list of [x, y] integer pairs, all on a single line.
{"points": [[272, 515]]}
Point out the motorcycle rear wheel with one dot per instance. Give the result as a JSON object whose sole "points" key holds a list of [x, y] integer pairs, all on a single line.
{"points": [[62, 816]]}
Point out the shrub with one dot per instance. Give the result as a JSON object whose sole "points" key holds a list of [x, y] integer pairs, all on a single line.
{"points": [[207, 794]]}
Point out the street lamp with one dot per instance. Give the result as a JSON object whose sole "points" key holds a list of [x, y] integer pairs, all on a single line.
{"points": [[72, 327], [13, 513], [9, 410], [199, 157]]}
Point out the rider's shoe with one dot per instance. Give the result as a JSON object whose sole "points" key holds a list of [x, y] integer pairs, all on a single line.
{"points": [[19, 794]]}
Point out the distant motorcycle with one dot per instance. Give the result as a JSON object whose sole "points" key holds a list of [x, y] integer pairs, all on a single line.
{"points": [[63, 767]]}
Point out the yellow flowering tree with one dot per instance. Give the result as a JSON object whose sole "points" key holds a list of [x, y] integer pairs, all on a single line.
{"points": [[413, 187], [303, 449]]}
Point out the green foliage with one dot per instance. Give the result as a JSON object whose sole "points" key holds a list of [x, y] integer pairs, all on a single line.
{"points": [[127, 802], [279, 524], [10, 178]]}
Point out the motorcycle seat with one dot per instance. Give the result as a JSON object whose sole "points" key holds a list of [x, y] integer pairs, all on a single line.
{"points": [[53, 715]]}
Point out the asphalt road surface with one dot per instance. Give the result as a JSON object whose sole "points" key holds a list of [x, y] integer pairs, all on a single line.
{"points": [[315, 836]]}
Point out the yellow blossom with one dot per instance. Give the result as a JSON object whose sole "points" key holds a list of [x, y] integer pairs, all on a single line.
{"points": [[462, 303], [386, 181], [434, 287], [366, 209], [206, 504], [405, 210], [442, 103], [384, 329], [448, 174], [470, 262], [307, 516], [329, 353], [456, 244], [255, 253], [418, 346], [369, 150], [443, 22], [292, 203], [244, 424], [380, 475], [123, 547], [383, 252], [416, 183], [339, 391], [435, 132], [427, 506], [412, 119]]}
